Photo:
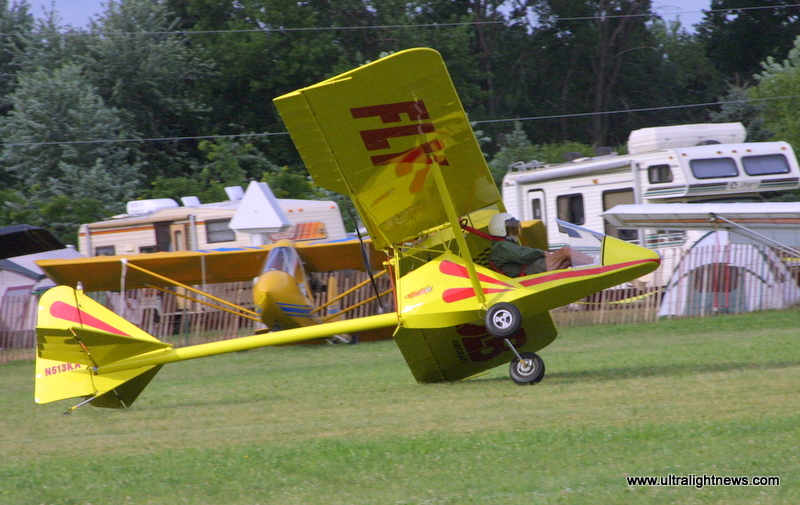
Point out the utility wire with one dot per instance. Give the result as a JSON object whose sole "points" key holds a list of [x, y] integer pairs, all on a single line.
{"points": [[623, 111], [393, 27], [484, 121]]}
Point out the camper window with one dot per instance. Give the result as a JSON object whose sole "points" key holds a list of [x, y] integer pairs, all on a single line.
{"points": [[106, 250], [714, 167], [536, 209], [766, 164], [219, 231], [570, 208], [658, 174]]}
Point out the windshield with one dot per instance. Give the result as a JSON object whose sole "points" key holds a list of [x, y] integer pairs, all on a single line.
{"points": [[282, 258], [586, 245]]}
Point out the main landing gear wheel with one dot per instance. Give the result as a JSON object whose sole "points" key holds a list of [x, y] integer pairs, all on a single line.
{"points": [[502, 320], [528, 370]]}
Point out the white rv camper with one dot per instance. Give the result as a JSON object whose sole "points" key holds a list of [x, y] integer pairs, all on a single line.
{"points": [[164, 225], [686, 163]]}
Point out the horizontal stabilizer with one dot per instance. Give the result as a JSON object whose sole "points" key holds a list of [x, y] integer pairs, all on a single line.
{"points": [[91, 347]]}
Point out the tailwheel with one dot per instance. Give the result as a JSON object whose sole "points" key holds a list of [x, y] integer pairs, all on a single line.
{"points": [[345, 338], [502, 320], [528, 368]]}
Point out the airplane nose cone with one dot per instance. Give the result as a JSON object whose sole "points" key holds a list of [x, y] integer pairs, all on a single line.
{"points": [[269, 283], [617, 251]]}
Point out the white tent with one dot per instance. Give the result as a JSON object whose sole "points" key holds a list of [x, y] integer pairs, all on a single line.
{"points": [[716, 276], [21, 280]]}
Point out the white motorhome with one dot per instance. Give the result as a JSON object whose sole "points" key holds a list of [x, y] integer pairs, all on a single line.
{"points": [[685, 163], [164, 225]]}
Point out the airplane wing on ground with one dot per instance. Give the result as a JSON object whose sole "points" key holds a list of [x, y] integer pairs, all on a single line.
{"points": [[380, 144], [105, 273]]}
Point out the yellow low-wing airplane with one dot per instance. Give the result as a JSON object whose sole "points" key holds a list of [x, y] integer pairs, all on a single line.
{"points": [[394, 137]]}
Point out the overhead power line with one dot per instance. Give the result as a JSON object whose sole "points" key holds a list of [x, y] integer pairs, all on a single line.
{"points": [[646, 109], [282, 29], [483, 121]]}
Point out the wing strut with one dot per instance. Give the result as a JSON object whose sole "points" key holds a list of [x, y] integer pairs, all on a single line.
{"points": [[455, 224], [250, 313]]}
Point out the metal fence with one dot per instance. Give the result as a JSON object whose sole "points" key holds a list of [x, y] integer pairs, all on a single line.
{"points": [[703, 281]]}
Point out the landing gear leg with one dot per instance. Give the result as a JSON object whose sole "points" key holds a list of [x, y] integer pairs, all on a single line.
{"points": [[503, 320]]}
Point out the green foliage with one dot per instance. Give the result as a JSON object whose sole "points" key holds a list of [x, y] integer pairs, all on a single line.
{"points": [[598, 66], [155, 77], [555, 153], [16, 23], [685, 76], [287, 183], [737, 107], [738, 38], [515, 148], [781, 80], [58, 155]]}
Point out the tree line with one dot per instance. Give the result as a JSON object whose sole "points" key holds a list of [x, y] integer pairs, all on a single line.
{"points": [[170, 98]]}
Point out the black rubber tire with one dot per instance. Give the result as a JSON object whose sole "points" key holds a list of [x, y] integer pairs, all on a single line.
{"points": [[502, 320], [528, 371]]}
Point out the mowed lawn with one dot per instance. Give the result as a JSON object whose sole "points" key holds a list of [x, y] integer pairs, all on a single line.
{"points": [[348, 425]]}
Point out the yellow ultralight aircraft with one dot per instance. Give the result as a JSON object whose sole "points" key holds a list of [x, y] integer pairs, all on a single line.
{"points": [[394, 137]]}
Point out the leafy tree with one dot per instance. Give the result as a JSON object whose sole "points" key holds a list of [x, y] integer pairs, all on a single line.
{"points": [[740, 34], [16, 23], [53, 157], [287, 183], [514, 147], [738, 107], [781, 80], [593, 58], [685, 76], [156, 78], [556, 152]]}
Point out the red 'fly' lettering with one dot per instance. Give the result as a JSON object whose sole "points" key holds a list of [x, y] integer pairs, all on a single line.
{"points": [[411, 161], [390, 112], [378, 139]]}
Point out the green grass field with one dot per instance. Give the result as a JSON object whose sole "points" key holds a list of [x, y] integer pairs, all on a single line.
{"points": [[348, 425]]}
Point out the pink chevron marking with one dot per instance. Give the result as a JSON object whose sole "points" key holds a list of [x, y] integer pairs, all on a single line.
{"points": [[456, 270], [72, 314]]}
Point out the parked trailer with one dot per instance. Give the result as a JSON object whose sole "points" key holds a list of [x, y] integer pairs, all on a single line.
{"points": [[163, 225], [685, 163]]}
